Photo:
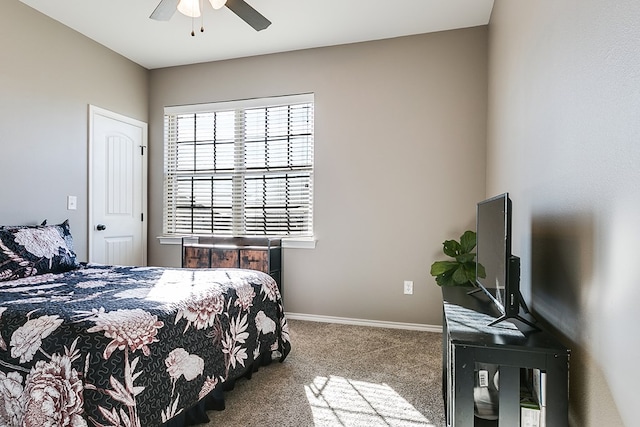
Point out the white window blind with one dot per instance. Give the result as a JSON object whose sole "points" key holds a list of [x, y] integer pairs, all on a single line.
{"points": [[240, 168]]}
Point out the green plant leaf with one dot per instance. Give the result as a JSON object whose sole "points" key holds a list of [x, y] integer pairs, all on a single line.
{"points": [[451, 248], [440, 267], [445, 279], [465, 258], [460, 276], [468, 241], [470, 271], [462, 269], [481, 271], [441, 281]]}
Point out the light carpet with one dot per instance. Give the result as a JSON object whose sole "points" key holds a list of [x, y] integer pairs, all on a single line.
{"points": [[343, 376]]}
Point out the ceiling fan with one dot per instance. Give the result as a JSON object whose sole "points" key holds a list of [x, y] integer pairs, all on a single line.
{"points": [[166, 8]]}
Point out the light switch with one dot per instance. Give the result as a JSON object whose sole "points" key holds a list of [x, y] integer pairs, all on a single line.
{"points": [[72, 203]]}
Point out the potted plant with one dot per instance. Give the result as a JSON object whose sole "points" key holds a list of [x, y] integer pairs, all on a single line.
{"points": [[461, 270]]}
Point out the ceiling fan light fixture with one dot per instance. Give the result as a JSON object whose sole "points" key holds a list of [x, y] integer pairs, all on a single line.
{"points": [[217, 4], [189, 8]]}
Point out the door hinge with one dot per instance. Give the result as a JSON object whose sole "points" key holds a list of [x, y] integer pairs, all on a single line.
{"points": [[141, 217], [142, 147]]}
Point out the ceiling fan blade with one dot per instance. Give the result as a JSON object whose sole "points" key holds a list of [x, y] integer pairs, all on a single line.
{"points": [[248, 14], [165, 10]]}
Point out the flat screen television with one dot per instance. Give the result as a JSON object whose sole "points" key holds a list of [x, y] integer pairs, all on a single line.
{"points": [[501, 278]]}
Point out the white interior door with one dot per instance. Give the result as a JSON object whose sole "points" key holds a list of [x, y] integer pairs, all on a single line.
{"points": [[117, 189]]}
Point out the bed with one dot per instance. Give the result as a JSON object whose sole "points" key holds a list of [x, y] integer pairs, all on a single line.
{"points": [[98, 345]]}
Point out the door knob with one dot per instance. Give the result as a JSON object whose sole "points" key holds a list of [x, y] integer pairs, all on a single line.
{"points": [[101, 227]]}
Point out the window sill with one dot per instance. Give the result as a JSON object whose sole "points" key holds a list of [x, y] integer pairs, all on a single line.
{"points": [[287, 242], [299, 242]]}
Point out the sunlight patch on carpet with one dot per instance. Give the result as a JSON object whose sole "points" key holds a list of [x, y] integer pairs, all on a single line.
{"points": [[338, 401]]}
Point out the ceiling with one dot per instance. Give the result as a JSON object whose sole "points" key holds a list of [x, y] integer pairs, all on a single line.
{"points": [[124, 26]]}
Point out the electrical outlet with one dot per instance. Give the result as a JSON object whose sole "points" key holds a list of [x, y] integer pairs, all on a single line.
{"points": [[408, 287]]}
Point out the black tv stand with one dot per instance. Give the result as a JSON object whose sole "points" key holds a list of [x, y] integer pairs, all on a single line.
{"points": [[467, 341]]}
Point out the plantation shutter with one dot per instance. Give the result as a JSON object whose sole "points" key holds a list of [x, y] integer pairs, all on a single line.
{"points": [[240, 168]]}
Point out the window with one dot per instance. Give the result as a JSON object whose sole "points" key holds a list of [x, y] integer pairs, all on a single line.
{"points": [[240, 168]]}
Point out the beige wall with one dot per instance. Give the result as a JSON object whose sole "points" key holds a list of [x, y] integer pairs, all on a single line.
{"points": [[399, 163], [564, 139], [49, 75], [392, 117], [563, 132]]}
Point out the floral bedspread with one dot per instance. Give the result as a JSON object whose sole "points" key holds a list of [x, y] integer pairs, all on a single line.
{"points": [[129, 346]]}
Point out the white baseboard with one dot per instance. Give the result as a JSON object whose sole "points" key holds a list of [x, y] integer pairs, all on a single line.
{"points": [[365, 322]]}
